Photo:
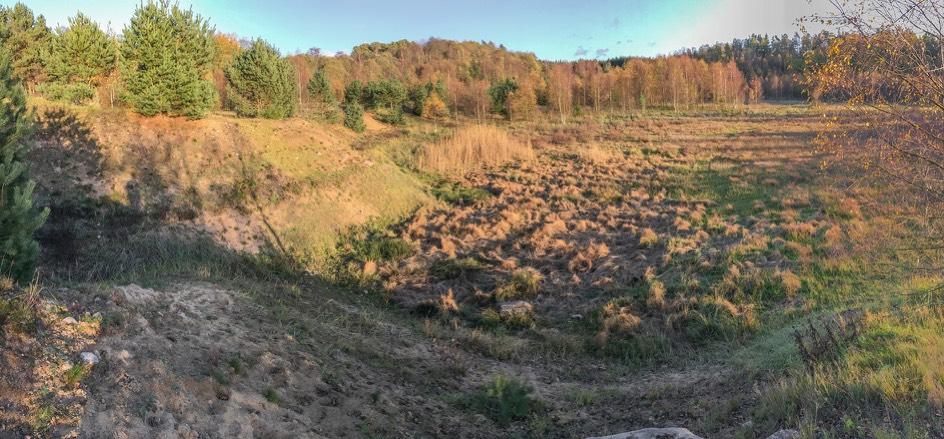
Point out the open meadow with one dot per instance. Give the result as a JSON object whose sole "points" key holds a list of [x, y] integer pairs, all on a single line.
{"points": [[703, 269], [667, 219]]}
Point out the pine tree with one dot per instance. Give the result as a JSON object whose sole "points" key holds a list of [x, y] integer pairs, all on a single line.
{"points": [[19, 219], [25, 37], [261, 83], [324, 102], [166, 54], [81, 53], [354, 116]]}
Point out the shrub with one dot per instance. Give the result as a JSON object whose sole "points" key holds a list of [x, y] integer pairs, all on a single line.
{"points": [[505, 400], [434, 108], [473, 146], [261, 83], [66, 92], [166, 54], [354, 117], [392, 117], [19, 219], [383, 94]]}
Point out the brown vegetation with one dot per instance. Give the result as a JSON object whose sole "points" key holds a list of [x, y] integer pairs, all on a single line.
{"points": [[473, 147]]}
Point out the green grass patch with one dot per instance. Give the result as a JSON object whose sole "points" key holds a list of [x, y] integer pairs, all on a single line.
{"points": [[504, 400], [452, 268], [523, 284]]}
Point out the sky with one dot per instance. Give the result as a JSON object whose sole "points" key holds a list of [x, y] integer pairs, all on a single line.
{"points": [[552, 29]]}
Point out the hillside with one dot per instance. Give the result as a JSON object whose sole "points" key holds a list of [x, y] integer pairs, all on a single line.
{"points": [[249, 184]]}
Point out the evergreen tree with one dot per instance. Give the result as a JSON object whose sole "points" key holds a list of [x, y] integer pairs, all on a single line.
{"points": [[354, 116], [81, 53], [261, 83], [166, 54], [324, 101], [19, 219], [499, 93], [25, 38], [353, 92]]}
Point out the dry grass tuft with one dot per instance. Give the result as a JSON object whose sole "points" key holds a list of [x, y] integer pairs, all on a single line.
{"points": [[648, 238], [791, 282], [473, 146], [656, 299]]}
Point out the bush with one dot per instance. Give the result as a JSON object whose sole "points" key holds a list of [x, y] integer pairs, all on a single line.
{"points": [[166, 54], [392, 117], [72, 93], [354, 117], [504, 400], [261, 83], [383, 94], [434, 108], [19, 219]]}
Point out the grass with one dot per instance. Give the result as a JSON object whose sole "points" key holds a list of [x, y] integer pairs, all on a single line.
{"points": [[453, 268], [471, 147], [272, 396], [74, 375], [504, 400], [18, 307], [523, 284], [455, 193], [885, 383], [359, 250]]}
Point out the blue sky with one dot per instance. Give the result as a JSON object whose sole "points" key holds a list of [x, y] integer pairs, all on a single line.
{"points": [[553, 29]]}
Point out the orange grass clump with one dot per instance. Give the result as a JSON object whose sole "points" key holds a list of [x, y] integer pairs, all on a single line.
{"points": [[471, 147]]}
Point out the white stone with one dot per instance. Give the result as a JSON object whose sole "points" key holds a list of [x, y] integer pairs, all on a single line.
{"points": [[785, 434], [89, 358], [653, 433], [518, 306], [70, 321]]}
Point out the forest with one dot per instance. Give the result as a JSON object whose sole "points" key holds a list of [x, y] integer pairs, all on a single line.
{"points": [[79, 62]]}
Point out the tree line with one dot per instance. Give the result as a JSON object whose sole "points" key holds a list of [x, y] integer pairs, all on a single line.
{"points": [[170, 60]]}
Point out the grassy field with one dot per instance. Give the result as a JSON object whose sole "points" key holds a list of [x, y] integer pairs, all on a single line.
{"points": [[702, 269]]}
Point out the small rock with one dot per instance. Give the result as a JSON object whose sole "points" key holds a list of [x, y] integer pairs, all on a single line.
{"points": [[70, 321], [89, 358], [653, 433], [122, 355], [518, 306], [785, 434]]}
